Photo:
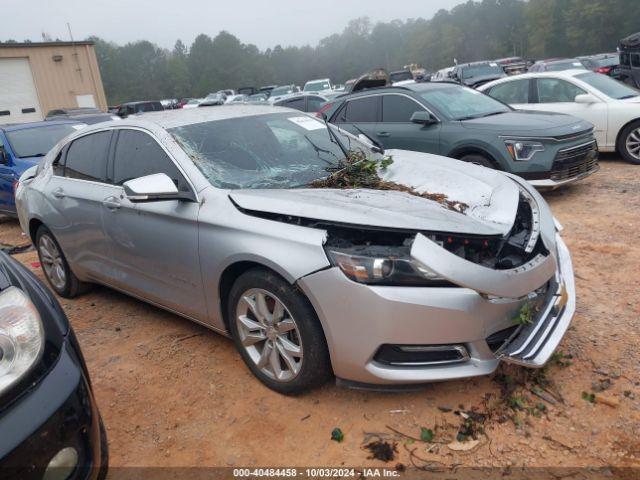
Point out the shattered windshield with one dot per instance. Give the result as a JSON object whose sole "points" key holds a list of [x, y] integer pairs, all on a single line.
{"points": [[280, 150]]}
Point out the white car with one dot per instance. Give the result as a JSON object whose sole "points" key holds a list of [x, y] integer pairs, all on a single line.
{"points": [[193, 103], [612, 107], [319, 86]]}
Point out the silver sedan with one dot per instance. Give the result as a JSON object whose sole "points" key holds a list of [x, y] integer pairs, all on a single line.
{"points": [[209, 213]]}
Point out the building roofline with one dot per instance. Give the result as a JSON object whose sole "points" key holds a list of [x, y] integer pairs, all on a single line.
{"points": [[45, 44]]}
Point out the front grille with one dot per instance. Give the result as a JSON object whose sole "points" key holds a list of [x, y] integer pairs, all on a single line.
{"points": [[575, 161]]}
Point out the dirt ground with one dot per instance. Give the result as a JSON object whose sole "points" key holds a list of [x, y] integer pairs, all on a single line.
{"points": [[173, 393]]}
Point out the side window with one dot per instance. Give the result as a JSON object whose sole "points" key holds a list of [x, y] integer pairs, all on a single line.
{"points": [[314, 103], [362, 110], [86, 157], [138, 154], [398, 109], [635, 60], [553, 90], [297, 103], [625, 60], [516, 91], [341, 115]]}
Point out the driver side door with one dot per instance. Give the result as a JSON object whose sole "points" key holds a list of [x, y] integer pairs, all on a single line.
{"points": [[153, 245]]}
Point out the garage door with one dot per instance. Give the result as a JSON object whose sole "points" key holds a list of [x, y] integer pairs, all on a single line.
{"points": [[18, 96]]}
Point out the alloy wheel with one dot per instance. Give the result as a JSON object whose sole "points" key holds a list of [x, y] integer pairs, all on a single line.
{"points": [[633, 143], [52, 262], [269, 334]]}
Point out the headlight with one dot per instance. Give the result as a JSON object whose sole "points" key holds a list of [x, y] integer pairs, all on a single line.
{"points": [[523, 150], [384, 270], [21, 336]]}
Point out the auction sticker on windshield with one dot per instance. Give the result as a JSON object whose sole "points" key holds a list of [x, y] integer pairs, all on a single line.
{"points": [[307, 123]]}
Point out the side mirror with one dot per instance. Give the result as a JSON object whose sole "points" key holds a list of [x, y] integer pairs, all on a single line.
{"points": [[423, 118], [586, 98], [151, 188]]}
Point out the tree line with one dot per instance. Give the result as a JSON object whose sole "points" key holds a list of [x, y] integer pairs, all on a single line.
{"points": [[471, 31]]}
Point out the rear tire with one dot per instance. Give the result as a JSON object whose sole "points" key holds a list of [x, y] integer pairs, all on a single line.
{"points": [[479, 159], [55, 267], [629, 143], [277, 333]]}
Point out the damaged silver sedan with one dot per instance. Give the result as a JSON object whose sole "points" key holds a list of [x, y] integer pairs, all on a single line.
{"points": [[227, 217]]}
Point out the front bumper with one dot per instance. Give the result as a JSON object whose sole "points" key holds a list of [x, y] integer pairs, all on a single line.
{"points": [[551, 184], [56, 413], [358, 319]]}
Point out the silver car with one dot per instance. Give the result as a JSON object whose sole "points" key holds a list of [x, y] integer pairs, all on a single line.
{"points": [[209, 213]]}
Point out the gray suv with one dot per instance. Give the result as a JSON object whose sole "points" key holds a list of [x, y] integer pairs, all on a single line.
{"points": [[547, 149]]}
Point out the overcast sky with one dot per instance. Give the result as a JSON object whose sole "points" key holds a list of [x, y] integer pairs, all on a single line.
{"points": [[265, 23]]}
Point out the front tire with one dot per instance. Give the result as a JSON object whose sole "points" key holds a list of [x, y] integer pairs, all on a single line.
{"points": [[277, 333], [629, 143], [55, 266], [478, 159]]}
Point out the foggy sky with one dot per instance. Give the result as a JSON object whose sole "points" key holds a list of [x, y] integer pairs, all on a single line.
{"points": [[265, 23]]}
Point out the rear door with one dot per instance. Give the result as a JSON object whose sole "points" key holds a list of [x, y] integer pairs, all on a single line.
{"points": [[513, 92], [154, 245], [360, 115], [558, 95], [75, 193], [6, 177], [397, 131]]}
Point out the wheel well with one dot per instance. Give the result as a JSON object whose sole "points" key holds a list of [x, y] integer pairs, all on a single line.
{"points": [[228, 278], [635, 120], [461, 152], [34, 225]]}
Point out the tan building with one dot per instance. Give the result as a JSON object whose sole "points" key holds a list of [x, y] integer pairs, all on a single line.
{"points": [[38, 77]]}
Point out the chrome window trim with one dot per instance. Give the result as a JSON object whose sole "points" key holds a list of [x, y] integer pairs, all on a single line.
{"points": [[128, 127], [380, 94]]}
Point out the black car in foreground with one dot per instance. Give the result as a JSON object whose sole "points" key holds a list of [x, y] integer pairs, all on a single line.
{"points": [[50, 426], [475, 74]]}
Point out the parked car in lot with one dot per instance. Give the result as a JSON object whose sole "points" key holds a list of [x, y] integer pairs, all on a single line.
{"points": [[220, 219], [629, 48], [611, 106], [556, 65], [513, 65], [193, 103], [84, 115], [455, 121], [282, 91], [22, 146], [318, 86], [213, 99], [476, 73], [303, 102], [134, 108], [258, 98], [442, 75], [48, 415], [400, 76], [605, 63]]}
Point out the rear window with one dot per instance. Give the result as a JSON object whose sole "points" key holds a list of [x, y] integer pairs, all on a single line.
{"points": [[87, 157], [607, 61], [36, 142]]}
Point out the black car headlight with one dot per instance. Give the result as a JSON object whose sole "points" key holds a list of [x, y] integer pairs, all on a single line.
{"points": [[21, 336], [523, 150], [374, 269]]}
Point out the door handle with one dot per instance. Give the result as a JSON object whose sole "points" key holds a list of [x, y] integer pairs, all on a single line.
{"points": [[383, 134], [58, 193], [111, 203]]}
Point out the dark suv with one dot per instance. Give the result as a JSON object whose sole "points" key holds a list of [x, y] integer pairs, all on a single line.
{"points": [[132, 108], [447, 119], [477, 73], [630, 60]]}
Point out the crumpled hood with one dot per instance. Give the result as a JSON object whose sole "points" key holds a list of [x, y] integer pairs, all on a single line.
{"points": [[492, 198], [523, 122], [481, 80]]}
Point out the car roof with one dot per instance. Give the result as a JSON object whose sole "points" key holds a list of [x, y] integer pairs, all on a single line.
{"points": [[12, 127], [524, 76], [181, 117]]}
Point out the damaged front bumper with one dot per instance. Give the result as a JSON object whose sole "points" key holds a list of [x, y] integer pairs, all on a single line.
{"points": [[359, 320]]}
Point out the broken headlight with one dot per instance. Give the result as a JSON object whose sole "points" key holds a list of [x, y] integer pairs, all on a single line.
{"points": [[384, 269], [523, 150]]}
